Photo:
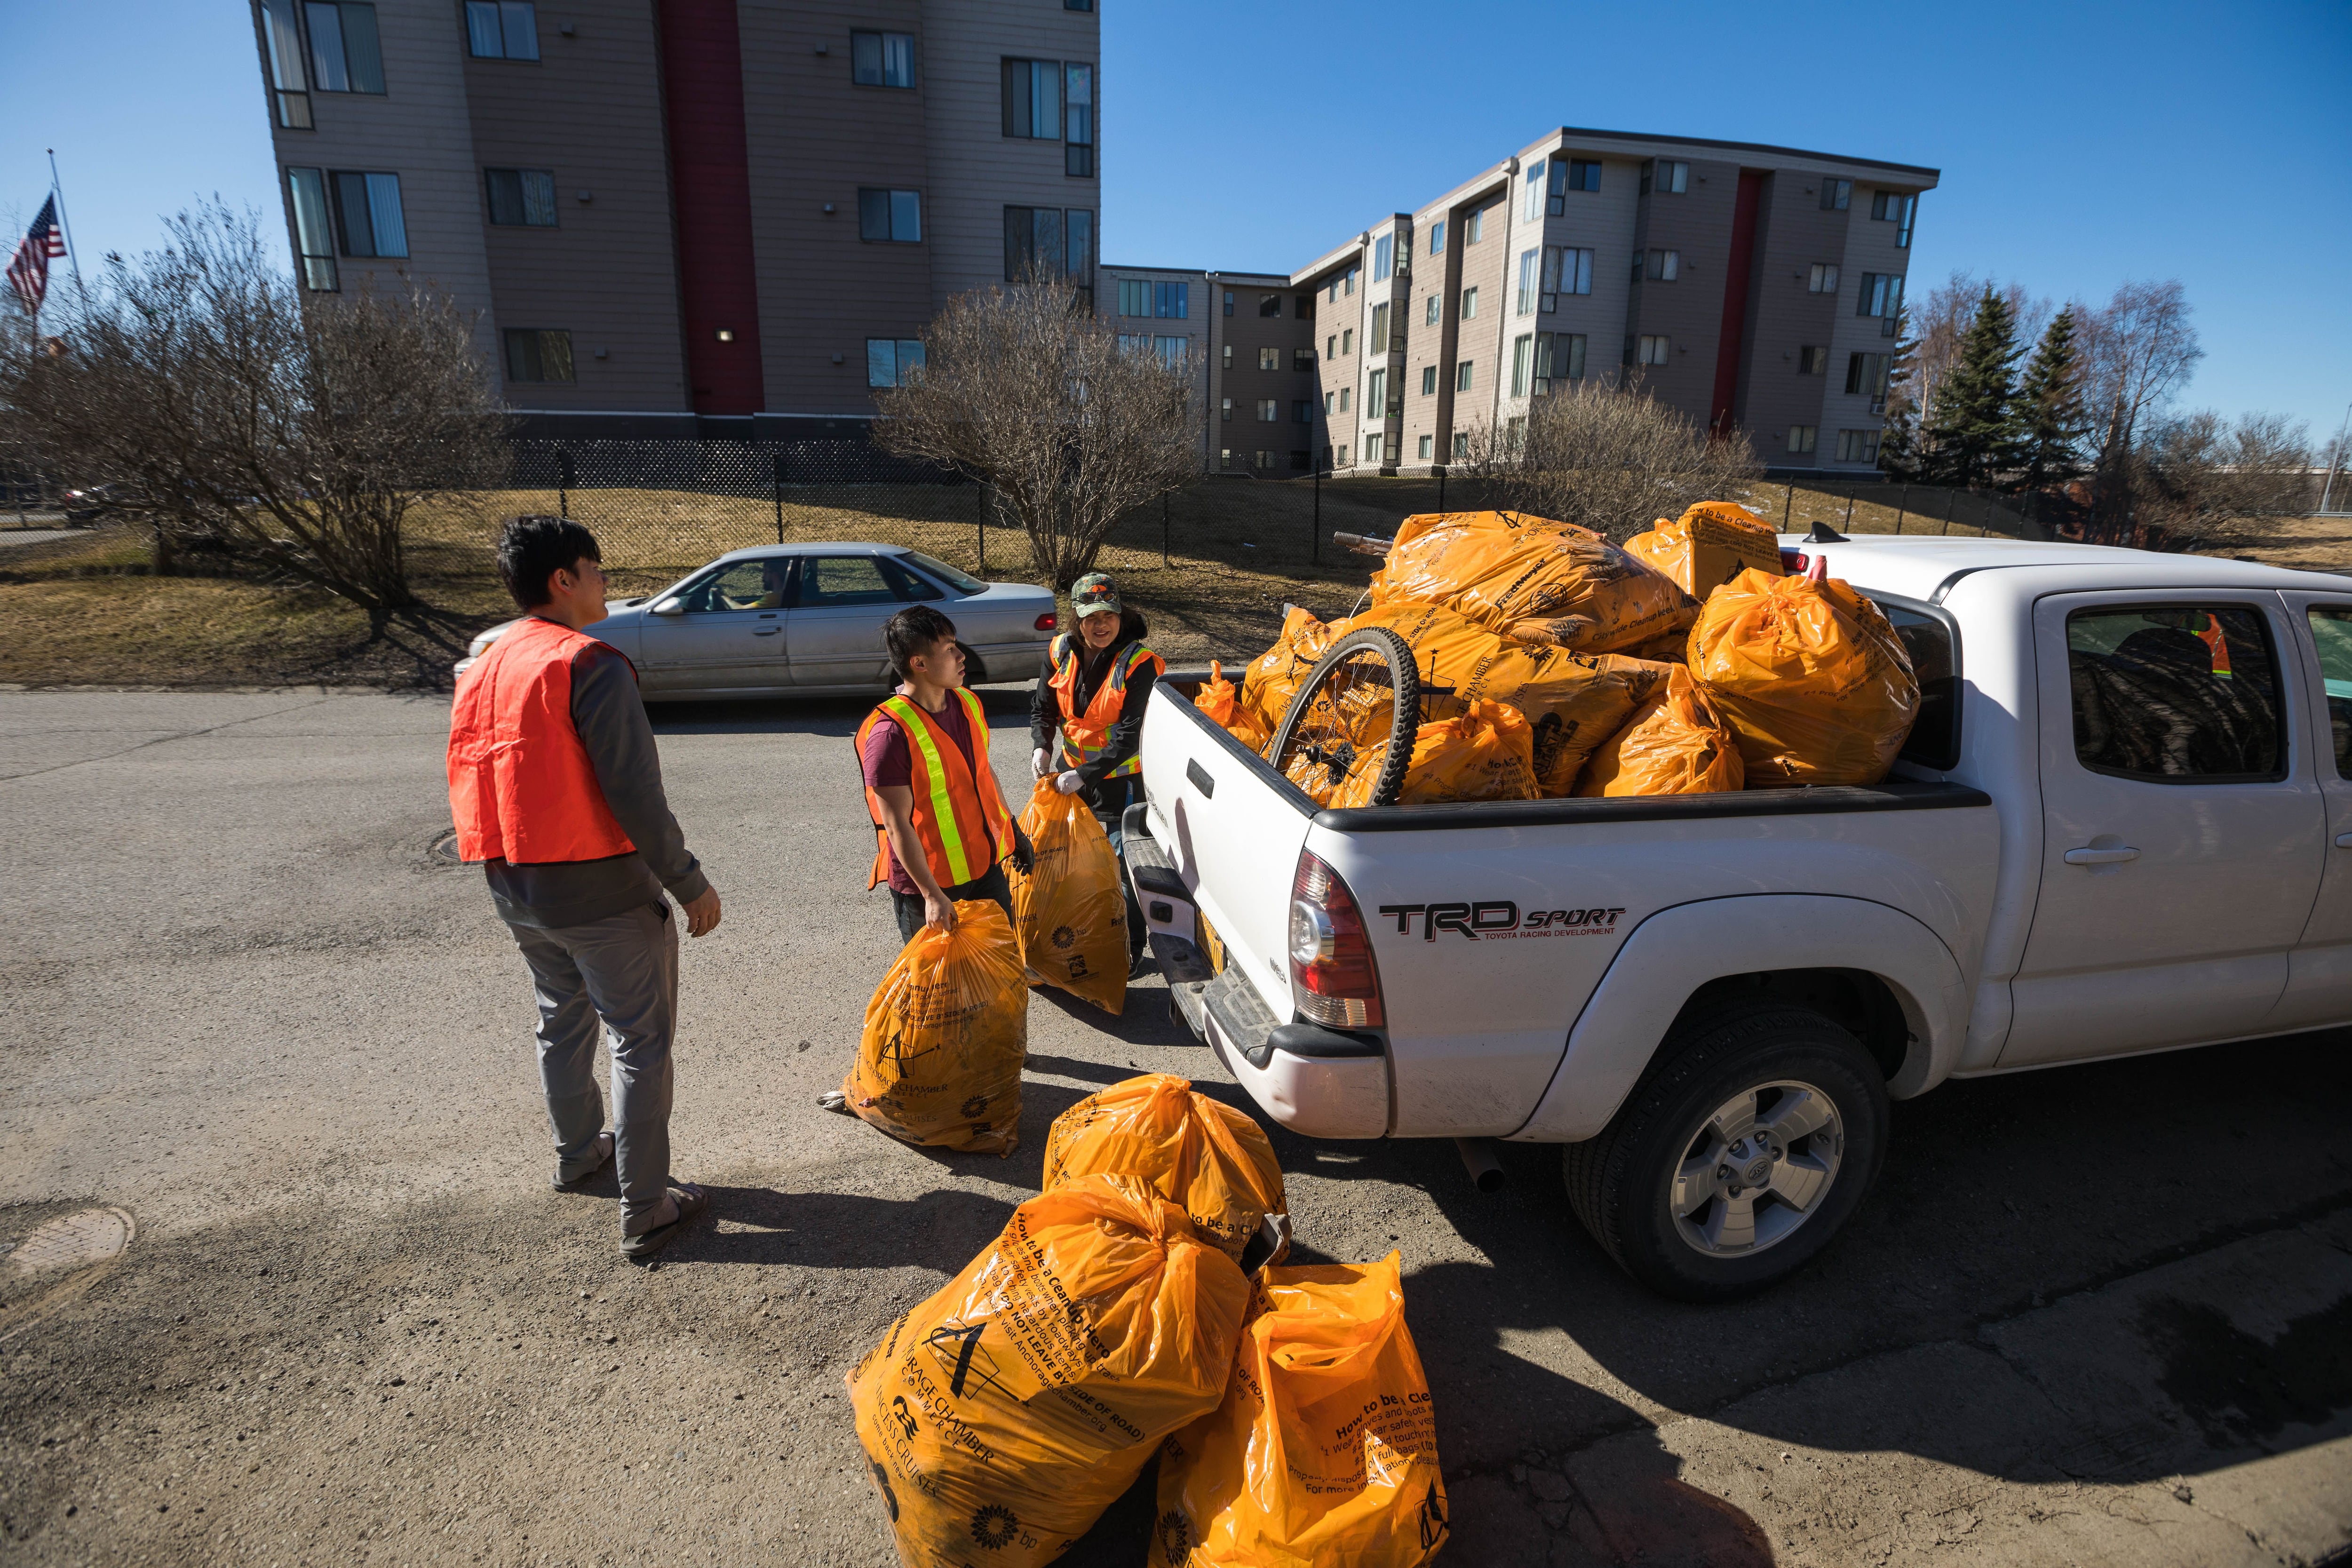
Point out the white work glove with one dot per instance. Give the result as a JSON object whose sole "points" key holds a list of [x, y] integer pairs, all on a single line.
{"points": [[1040, 764], [1068, 783]]}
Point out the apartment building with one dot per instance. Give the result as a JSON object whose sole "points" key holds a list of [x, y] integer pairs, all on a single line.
{"points": [[686, 217], [1247, 340], [1751, 287]]}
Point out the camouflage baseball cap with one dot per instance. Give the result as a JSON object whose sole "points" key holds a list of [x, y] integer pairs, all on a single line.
{"points": [[1094, 593]]}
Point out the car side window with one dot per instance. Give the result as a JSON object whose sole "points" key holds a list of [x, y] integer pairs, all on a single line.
{"points": [[2176, 693], [831, 579], [909, 586], [745, 586], [2331, 629]]}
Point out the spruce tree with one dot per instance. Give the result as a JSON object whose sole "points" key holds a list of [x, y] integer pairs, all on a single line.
{"points": [[2049, 406], [1970, 431], [1898, 442]]}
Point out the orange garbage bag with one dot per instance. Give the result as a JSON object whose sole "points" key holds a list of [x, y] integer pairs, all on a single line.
{"points": [[1071, 908], [1485, 752], [1004, 1414], [1712, 543], [1208, 1159], [1572, 702], [1273, 676], [1324, 1453], [1676, 745], [1810, 675], [1221, 700], [1538, 580], [945, 1033]]}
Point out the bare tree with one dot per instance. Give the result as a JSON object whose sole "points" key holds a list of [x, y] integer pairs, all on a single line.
{"points": [[2137, 353], [1605, 457], [209, 396], [1020, 389], [2219, 482]]}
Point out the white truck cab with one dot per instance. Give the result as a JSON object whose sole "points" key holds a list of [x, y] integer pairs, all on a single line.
{"points": [[2123, 823]]}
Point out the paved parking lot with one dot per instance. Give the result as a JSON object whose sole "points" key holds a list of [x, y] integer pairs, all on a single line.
{"points": [[2094, 1316]]}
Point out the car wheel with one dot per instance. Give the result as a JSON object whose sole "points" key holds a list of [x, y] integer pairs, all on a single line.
{"points": [[1737, 1157], [975, 669]]}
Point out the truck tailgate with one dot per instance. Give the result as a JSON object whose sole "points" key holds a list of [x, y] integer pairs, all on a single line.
{"points": [[1233, 827]]}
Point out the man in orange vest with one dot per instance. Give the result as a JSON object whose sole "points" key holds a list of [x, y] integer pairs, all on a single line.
{"points": [[1094, 690], [556, 787], [941, 825]]}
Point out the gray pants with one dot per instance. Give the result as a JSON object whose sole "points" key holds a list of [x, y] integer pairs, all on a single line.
{"points": [[622, 970]]}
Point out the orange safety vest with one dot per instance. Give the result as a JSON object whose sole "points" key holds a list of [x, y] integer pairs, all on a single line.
{"points": [[960, 818], [1084, 735], [521, 788]]}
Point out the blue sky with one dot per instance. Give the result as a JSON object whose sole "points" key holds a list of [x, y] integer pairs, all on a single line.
{"points": [[2080, 145]]}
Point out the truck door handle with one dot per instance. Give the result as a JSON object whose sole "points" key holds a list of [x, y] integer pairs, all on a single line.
{"points": [[767, 631], [2101, 857], [2343, 841]]}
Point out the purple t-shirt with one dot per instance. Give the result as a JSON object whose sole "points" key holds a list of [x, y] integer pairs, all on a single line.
{"points": [[887, 762]]}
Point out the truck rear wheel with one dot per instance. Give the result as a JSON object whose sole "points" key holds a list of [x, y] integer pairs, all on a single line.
{"points": [[1737, 1157]]}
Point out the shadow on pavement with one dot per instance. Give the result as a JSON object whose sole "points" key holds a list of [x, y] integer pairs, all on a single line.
{"points": [[815, 715], [843, 1230]]}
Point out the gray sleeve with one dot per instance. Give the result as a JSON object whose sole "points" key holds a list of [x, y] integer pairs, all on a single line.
{"points": [[610, 721]]}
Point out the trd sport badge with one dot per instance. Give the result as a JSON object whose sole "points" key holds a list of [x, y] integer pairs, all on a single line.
{"points": [[1499, 919]]}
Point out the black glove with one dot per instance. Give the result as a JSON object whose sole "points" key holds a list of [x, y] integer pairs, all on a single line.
{"points": [[1024, 854]]}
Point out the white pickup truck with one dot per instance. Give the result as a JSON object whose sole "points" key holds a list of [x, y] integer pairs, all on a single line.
{"points": [[2121, 824]]}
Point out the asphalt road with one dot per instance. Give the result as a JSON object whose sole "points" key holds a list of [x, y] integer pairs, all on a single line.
{"points": [[2091, 1316]]}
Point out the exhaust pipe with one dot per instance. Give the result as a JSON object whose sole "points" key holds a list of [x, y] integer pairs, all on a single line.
{"points": [[1478, 1159]]}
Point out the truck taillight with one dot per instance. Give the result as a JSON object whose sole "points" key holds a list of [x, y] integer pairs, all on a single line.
{"points": [[1332, 976]]}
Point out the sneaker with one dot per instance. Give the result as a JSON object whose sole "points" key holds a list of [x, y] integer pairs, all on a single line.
{"points": [[690, 1201], [580, 1167]]}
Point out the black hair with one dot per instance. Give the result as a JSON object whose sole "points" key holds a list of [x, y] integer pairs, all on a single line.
{"points": [[912, 631], [533, 548]]}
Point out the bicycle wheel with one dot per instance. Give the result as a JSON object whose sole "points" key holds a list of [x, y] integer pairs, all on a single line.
{"points": [[1349, 732]]}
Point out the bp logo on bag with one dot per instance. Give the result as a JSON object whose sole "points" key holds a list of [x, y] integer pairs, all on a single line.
{"points": [[1175, 1536], [1063, 937], [994, 1525]]}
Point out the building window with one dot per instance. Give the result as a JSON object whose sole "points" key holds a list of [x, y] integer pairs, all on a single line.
{"points": [[1664, 266], [1349, 283], [1532, 208], [1051, 242], [1229, 356], [1224, 456], [1881, 295], [1172, 301], [1865, 376], [535, 354], [1462, 369], [1515, 433], [1343, 398], [1836, 194], [1523, 353], [1823, 278], [1462, 443], [313, 236], [1572, 175], [1269, 305], [1078, 121], [1033, 100], [1529, 260], [1431, 308], [1437, 237], [1429, 381], [1376, 394], [1652, 350], [1302, 358], [1334, 287], [1343, 453], [502, 30], [1328, 402], [345, 56], [1134, 297], [1559, 356], [1263, 461], [1474, 227], [893, 361], [1302, 411], [1269, 410], [1302, 307], [1666, 177], [1269, 359], [1380, 343], [1347, 342], [1801, 437], [1225, 410], [1172, 351], [1078, 4], [1134, 343], [882, 59], [1894, 207], [1331, 346], [895, 216], [368, 215], [1812, 360], [1422, 449], [1857, 447], [1469, 311], [289, 80], [524, 198], [1383, 257], [1375, 447]]}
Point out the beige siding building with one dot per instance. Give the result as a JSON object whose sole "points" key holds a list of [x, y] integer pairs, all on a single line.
{"points": [[1248, 339]]}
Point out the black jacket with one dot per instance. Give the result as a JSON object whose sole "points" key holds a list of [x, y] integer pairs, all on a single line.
{"points": [[1094, 668]]}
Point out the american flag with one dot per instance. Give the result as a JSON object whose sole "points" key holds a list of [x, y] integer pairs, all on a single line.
{"points": [[29, 273]]}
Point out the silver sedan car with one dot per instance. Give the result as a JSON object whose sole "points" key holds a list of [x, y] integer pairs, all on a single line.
{"points": [[779, 619]]}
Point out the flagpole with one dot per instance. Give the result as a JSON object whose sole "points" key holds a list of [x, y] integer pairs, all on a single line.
{"points": [[56, 189]]}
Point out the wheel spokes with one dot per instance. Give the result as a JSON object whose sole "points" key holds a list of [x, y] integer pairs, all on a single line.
{"points": [[1733, 1117], [1799, 1179], [1733, 1224], [1694, 1184], [1799, 1112]]}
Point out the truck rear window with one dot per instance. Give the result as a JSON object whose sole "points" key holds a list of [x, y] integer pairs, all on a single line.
{"points": [[1934, 740]]}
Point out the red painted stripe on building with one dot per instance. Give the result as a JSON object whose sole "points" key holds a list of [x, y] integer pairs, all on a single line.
{"points": [[710, 189], [1735, 297]]}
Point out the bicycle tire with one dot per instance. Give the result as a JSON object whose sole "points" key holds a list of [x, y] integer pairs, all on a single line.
{"points": [[1405, 716]]}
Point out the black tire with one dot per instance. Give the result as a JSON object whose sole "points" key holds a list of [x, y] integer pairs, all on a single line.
{"points": [[1377, 652], [975, 669], [1620, 1184]]}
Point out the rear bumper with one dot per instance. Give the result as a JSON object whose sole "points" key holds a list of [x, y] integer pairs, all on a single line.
{"points": [[1316, 1081]]}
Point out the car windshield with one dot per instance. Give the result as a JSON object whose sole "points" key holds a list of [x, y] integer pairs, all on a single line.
{"points": [[962, 581]]}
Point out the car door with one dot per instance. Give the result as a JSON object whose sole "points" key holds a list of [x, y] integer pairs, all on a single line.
{"points": [[2180, 840], [727, 632], [2319, 972], [837, 616]]}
